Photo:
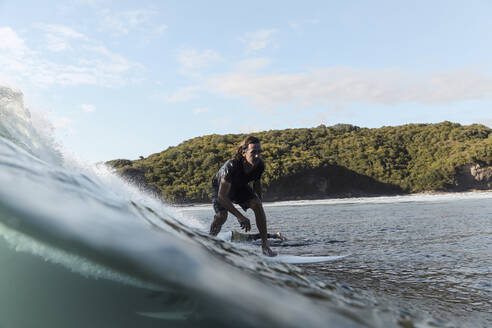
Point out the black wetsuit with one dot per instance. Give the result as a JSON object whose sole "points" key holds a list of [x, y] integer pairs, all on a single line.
{"points": [[241, 193]]}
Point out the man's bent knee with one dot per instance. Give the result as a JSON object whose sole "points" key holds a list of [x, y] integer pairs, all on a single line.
{"points": [[255, 204]]}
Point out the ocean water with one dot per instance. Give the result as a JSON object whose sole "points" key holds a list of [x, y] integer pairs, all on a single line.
{"points": [[81, 248], [430, 254]]}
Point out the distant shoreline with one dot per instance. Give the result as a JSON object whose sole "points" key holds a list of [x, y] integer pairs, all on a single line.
{"points": [[427, 193]]}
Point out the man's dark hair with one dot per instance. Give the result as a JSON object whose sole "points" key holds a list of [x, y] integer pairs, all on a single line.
{"points": [[244, 145]]}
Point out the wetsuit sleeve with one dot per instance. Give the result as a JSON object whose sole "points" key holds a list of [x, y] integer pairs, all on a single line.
{"points": [[227, 171], [260, 171]]}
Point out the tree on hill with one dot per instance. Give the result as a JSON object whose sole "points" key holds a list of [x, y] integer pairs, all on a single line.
{"points": [[407, 158]]}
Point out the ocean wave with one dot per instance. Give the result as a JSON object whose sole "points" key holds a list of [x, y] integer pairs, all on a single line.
{"points": [[85, 219]]}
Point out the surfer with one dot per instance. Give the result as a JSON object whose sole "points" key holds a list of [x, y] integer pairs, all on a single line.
{"points": [[230, 185]]}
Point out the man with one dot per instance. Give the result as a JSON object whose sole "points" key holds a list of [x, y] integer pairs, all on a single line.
{"points": [[230, 184]]}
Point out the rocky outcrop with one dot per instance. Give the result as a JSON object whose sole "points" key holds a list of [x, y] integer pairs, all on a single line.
{"points": [[137, 177], [473, 176], [327, 182]]}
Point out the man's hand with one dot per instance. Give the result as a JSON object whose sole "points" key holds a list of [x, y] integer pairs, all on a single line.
{"points": [[215, 228], [244, 223]]}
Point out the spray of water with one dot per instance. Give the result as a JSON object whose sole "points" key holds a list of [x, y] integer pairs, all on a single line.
{"points": [[34, 133]]}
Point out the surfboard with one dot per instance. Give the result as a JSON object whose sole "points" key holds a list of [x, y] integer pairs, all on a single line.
{"points": [[238, 237], [296, 259], [227, 235], [287, 258]]}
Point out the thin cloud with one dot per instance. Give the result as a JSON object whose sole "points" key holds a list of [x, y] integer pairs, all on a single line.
{"points": [[86, 2], [200, 110], [485, 121], [250, 129], [88, 108], [258, 40], [341, 85], [11, 42], [160, 29], [338, 108], [60, 30], [58, 37], [183, 94], [221, 122], [190, 58], [91, 64], [62, 123], [122, 23], [315, 120], [252, 64], [299, 26], [114, 62]]}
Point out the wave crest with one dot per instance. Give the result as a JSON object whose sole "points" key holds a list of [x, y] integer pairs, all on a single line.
{"points": [[16, 124]]}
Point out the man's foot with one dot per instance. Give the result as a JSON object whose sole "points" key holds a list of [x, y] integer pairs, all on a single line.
{"points": [[268, 252]]}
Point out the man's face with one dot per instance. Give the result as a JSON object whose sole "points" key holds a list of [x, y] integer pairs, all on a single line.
{"points": [[253, 153]]}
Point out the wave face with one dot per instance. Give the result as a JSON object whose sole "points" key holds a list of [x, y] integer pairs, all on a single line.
{"points": [[80, 248], [18, 126]]}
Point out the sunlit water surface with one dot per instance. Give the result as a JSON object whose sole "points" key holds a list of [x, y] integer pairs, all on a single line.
{"points": [[423, 252]]}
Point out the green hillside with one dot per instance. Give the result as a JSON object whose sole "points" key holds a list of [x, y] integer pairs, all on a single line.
{"points": [[410, 158]]}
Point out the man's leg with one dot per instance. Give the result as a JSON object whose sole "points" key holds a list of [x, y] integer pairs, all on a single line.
{"points": [[260, 216], [219, 219]]}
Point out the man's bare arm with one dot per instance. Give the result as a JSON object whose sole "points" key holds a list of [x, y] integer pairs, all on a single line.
{"points": [[224, 200], [257, 188]]}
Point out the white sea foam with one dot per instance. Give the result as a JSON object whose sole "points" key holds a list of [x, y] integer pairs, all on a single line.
{"points": [[421, 197], [388, 199], [124, 190], [28, 143], [34, 133]]}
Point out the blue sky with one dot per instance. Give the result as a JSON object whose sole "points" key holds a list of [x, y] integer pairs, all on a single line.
{"points": [[120, 79]]}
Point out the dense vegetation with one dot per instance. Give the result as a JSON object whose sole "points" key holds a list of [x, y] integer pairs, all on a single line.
{"points": [[414, 157]]}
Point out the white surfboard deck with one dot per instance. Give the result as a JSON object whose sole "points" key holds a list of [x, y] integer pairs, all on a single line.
{"points": [[295, 259], [227, 235]]}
